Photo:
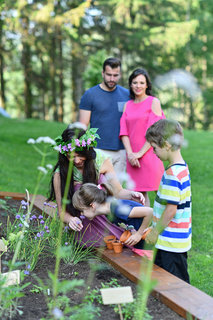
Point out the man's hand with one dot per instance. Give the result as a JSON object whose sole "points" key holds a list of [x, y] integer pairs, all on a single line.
{"points": [[75, 224]]}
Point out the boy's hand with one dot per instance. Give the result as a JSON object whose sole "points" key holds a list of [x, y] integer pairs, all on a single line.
{"points": [[152, 237]]}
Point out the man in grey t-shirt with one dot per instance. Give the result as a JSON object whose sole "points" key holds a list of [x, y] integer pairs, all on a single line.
{"points": [[102, 107]]}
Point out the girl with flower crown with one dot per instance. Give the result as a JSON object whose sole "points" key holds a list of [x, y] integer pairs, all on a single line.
{"points": [[89, 165]]}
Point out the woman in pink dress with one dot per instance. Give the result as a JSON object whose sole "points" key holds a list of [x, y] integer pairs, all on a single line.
{"points": [[143, 166]]}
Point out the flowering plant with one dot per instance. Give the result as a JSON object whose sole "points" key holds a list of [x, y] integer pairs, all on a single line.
{"points": [[86, 141]]}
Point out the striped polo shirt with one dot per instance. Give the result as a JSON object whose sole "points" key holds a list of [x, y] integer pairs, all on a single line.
{"points": [[175, 188]]}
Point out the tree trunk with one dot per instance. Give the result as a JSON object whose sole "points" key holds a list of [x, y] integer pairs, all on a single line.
{"points": [[61, 79], [53, 77], [2, 82], [26, 62], [78, 67]]}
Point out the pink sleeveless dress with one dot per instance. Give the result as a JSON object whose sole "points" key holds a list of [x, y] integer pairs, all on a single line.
{"points": [[135, 121]]}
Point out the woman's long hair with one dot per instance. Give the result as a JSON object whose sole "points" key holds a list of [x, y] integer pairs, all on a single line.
{"points": [[89, 173], [136, 73]]}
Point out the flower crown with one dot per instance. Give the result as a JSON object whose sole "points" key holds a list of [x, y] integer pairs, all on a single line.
{"points": [[88, 140]]}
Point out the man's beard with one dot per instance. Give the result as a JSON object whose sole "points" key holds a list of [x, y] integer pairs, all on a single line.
{"points": [[110, 86]]}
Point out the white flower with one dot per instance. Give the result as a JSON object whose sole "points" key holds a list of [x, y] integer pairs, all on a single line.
{"points": [[45, 140], [57, 313], [124, 210], [42, 169], [31, 141], [49, 166], [56, 148], [130, 184], [77, 125], [182, 79], [176, 140]]}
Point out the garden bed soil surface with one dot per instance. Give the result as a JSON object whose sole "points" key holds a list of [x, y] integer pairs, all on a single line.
{"points": [[33, 304]]}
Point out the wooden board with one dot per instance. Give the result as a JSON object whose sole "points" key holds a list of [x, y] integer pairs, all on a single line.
{"points": [[39, 204], [172, 291], [14, 195]]}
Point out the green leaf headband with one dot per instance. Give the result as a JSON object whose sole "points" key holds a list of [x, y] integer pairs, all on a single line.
{"points": [[88, 140]]}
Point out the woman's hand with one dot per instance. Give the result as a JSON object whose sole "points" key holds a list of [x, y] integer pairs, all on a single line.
{"points": [[137, 196], [133, 239], [133, 159], [75, 224]]}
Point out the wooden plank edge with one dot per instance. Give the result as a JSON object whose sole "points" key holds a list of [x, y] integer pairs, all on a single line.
{"points": [[13, 195], [164, 295], [37, 203]]}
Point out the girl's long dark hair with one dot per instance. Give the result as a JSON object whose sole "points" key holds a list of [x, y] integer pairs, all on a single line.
{"points": [[89, 173]]}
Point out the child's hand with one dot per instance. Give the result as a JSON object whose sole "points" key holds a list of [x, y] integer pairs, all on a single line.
{"points": [[75, 224], [152, 237], [133, 239]]}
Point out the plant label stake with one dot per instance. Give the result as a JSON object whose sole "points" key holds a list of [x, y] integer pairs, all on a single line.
{"points": [[117, 296], [12, 277]]}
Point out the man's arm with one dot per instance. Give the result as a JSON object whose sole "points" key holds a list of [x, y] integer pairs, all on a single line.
{"points": [[84, 116]]}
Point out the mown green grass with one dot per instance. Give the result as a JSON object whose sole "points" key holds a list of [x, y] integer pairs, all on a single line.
{"points": [[18, 171], [18, 160]]}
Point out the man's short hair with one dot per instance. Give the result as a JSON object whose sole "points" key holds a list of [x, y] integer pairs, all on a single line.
{"points": [[165, 130], [112, 62]]}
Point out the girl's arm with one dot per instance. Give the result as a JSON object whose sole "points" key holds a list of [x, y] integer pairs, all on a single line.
{"points": [[139, 212], [108, 170], [73, 222]]}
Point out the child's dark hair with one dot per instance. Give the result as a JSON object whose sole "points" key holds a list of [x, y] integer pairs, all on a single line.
{"points": [[165, 130], [89, 193]]}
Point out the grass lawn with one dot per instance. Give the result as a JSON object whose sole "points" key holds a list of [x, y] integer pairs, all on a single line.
{"points": [[18, 171]]}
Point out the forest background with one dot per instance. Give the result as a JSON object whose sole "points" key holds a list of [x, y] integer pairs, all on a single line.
{"points": [[52, 51]]}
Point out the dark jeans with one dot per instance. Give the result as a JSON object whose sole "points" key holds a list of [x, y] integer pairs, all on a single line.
{"points": [[175, 263]]}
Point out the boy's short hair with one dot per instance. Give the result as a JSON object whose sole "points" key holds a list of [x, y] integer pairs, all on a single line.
{"points": [[165, 130]]}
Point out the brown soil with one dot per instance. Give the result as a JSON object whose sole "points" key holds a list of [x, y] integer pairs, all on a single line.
{"points": [[33, 304]]}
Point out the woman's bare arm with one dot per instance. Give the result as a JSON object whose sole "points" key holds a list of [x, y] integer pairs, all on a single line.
{"points": [[73, 222], [119, 192]]}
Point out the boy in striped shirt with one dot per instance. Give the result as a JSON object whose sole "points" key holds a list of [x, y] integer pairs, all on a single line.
{"points": [[172, 207]]}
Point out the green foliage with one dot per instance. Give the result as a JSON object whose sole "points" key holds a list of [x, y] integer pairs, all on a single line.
{"points": [[128, 309], [92, 74], [9, 296]]}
